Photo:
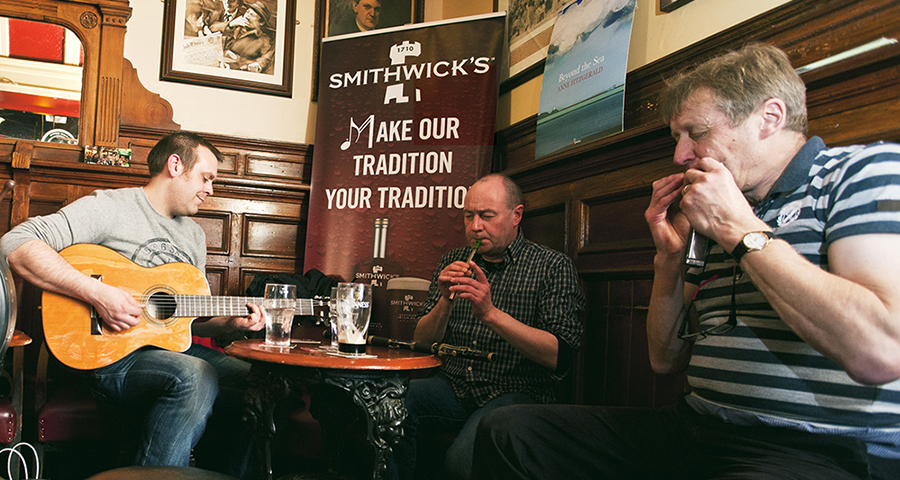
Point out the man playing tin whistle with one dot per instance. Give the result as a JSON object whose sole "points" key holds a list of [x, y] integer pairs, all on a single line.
{"points": [[513, 297]]}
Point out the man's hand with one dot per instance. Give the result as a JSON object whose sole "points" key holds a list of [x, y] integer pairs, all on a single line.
{"points": [[715, 205], [118, 309], [254, 322], [450, 275], [476, 290], [218, 326], [669, 227]]}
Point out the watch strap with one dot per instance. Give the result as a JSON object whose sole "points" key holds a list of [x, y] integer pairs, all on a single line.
{"points": [[741, 249]]}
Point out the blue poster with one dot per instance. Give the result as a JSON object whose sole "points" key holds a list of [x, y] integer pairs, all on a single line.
{"points": [[583, 91]]}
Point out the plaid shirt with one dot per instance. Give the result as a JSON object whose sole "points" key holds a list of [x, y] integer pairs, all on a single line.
{"points": [[535, 285]]}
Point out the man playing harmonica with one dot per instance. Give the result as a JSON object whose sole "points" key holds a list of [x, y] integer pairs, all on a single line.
{"points": [[790, 334]]}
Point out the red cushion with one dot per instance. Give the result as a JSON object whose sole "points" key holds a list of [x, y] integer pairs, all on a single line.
{"points": [[71, 413], [9, 421]]}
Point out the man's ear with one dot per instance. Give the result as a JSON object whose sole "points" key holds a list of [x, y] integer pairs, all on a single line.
{"points": [[517, 213], [174, 165], [774, 117]]}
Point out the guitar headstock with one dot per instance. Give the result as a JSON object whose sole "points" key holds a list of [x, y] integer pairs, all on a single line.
{"points": [[320, 307]]}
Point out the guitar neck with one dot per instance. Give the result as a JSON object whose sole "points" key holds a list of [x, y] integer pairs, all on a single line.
{"points": [[206, 306]]}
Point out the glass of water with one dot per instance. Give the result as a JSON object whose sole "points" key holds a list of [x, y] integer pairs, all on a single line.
{"points": [[278, 307]]}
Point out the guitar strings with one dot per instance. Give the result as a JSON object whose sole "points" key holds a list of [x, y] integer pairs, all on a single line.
{"points": [[204, 300]]}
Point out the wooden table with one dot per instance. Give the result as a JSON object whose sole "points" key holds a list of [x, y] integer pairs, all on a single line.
{"points": [[376, 382]]}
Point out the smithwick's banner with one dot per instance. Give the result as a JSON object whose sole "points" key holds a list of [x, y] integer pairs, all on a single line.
{"points": [[406, 121]]}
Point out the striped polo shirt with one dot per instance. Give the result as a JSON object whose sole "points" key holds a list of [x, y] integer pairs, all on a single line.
{"points": [[760, 371]]}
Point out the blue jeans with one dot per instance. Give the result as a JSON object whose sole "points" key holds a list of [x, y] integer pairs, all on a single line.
{"points": [[433, 407], [181, 392]]}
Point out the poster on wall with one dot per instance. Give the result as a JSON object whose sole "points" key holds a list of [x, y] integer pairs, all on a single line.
{"points": [[530, 26], [405, 124], [583, 90]]}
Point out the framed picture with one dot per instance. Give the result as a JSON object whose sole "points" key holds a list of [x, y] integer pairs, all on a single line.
{"points": [[353, 16], [340, 17], [237, 44], [529, 25], [669, 5]]}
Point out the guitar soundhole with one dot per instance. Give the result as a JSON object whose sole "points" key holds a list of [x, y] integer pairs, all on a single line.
{"points": [[160, 306]]}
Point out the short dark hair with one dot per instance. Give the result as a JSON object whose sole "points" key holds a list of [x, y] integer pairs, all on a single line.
{"points": [[514, 196], [740, 82], [184, 144]]}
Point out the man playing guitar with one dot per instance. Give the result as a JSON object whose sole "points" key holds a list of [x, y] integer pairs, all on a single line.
{"points": [[150, 226]]}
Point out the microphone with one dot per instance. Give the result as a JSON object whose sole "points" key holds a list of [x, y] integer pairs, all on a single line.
{"points": [[434, 349], [698, 247]]}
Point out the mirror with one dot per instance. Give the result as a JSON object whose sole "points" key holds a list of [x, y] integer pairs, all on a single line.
{"points": [[40, 81]]}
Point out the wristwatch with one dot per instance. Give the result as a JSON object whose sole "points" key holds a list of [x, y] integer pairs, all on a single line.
{"points": [[751, 242]]}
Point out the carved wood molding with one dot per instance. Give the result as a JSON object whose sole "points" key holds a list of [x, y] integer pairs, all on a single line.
{"points": [[21, 157], [143, 108]]}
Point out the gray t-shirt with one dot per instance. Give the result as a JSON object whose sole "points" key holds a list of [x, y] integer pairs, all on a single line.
{"points": [[122, 220]]}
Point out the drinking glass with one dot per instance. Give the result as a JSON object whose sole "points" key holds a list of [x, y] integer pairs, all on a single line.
{"points": [[332, 317], [278, 308], [354, 308]]}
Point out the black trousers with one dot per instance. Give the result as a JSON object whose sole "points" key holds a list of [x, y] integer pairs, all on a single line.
{"points": [[580, 442]]}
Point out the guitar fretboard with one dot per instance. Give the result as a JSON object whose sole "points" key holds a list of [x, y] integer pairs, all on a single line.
{"points": [[205, 306]]}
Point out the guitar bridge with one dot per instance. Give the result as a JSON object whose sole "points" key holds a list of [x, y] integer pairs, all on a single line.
{"points": [[96, 320]]}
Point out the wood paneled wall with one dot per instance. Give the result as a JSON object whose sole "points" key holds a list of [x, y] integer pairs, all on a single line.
{"points": [[255, 222], [589, 201]]}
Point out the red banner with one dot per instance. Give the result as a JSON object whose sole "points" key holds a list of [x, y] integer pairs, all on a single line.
{"points": [[406, 122]]}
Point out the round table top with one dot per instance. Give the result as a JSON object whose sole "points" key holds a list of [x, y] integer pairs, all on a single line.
{"points": [[310, 354]]}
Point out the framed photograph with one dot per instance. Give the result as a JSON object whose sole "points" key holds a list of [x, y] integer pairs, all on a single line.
{"points": [[529, 26], [353, 16], [344, 16], [237, 44], [669, 5]]}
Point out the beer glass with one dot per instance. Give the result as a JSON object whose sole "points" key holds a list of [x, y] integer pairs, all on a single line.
{"points": [[354, 307]]}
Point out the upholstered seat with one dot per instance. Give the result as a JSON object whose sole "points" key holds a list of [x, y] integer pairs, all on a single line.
{"points": [[9, 422], [71, 413]]}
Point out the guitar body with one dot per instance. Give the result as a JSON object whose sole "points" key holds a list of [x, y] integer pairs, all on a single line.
{"points": [[79, 339]]}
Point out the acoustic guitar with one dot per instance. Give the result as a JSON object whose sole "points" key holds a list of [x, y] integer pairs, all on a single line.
{"points": [[173, 295]]}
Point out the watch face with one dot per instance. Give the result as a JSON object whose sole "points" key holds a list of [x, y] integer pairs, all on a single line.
{"points": [[755, 240]]}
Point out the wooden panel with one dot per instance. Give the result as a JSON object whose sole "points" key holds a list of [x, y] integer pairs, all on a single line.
{"points": [[217, 227], [546, 227], [216, 279], [271, 166], [596, 342], [261, 204], [270, 237], [248, 274], [618, 224], [46, 198], [229, 162]]}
